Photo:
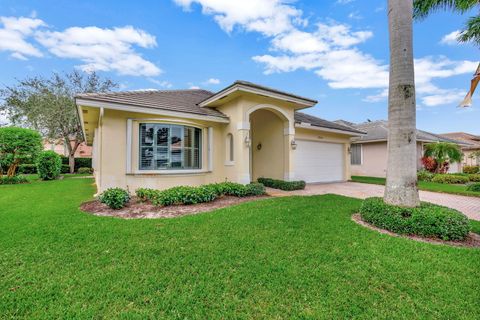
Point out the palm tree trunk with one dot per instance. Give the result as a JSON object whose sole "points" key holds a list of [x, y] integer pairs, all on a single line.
{"points": [[401, 187]]}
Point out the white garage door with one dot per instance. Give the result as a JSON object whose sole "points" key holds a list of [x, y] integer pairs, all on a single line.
{"points": [[319, 161]]}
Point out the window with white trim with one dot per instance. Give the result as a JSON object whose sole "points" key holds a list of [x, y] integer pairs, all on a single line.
{"points": [[169, 147], [356, 154]]}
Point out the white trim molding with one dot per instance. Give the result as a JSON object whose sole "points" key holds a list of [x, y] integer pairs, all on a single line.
{"points": [[308, 126], [129, 145], [244, 125], [210, 148]]}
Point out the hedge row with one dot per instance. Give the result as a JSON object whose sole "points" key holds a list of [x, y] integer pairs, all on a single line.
{"points": [[451, 178], [13, 180], [79, 162], [471, 169], [427, 220], [191, 195], [282, 185]]}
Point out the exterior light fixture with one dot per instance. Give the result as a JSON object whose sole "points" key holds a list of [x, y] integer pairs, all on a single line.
{"points": [[294, 145]]}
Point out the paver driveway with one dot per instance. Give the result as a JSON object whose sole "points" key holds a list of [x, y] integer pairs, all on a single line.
{"points": [[470, 206]]}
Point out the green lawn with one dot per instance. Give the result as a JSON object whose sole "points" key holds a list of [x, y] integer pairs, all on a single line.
{"points": [[423, 185], [283, 258]]}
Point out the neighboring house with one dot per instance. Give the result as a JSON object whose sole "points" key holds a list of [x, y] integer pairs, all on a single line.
{"points": [[369, 152], [471, 152], [83, 150], [160, 139]]}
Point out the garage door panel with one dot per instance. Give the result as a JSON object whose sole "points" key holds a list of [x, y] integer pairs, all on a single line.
{"points": [[319, 161]]}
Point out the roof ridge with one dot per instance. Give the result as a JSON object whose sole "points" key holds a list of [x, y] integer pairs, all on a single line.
{"points": [[131, 92]]}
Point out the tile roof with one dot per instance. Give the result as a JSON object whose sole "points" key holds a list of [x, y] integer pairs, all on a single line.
{"points": [[318, 122], [472, 139], [170, 100], [378, 131]]}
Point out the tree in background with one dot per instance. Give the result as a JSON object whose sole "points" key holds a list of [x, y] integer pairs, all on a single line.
{"points": [[470, 33], [48, 105], [444, 153], [17, 145], [401, 186]]}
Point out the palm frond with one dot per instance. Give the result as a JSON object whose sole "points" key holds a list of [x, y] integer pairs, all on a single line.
{"points": [[422, 8]]}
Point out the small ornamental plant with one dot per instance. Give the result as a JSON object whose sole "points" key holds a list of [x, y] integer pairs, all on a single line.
{"points": [[115, 198], [49, 165]]}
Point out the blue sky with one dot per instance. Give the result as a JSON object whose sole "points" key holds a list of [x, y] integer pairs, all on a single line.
{"points": [[333, 51]]}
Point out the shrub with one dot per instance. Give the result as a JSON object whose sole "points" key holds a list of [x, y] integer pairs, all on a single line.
{"points": [[84, 170], [65, 168], [184, 195], [49, 165], [145, 194], [427, 220], [474, 187], [429, 164], [27, 169], [115, 198], [450, 179], [255, 189], [13, 180], [82, 163], [471, 169], [474, 177], [282, 185], [424, 175]]}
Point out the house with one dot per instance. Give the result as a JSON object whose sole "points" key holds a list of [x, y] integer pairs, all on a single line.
{"points": [[369, 152], [165, 138], [58, 145], [471, 152]]}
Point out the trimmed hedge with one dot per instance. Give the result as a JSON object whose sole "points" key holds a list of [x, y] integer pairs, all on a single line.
{"points": [[82, 163], [474, 177], [282, 185], [427, 220], [115, 198], [84, 170], [49, 165], [65, 168], [474, 187], [192, 195], [450, 179], [424, 175], [27, 169], [13, 180], [471, 169]]}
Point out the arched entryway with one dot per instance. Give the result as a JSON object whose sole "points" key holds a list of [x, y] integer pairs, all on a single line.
{"points": [[268, 149]]}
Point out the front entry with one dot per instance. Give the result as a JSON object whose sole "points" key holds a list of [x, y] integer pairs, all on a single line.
{"points": [[267, 151]]}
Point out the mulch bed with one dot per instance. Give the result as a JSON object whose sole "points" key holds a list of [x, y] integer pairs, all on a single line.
{"points": [[472, 240], [136, 209]]}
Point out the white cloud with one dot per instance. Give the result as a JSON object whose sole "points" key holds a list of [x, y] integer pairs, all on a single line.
{"points": [[344, 1], [269, 17], [381, 96], [443, 96], [212, 81], [14, 35], [102, 49], [161, 83], [194, 87], [451, 38]]}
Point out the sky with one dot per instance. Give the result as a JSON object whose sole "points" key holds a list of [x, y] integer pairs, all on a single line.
{"points": [[333, 51]]}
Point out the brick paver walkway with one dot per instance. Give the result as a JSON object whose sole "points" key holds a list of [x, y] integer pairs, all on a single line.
{"points": [[470, 206]]}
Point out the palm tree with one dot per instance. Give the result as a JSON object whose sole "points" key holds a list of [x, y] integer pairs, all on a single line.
{"points": [[401, 187], [470, 33], [443, 153]]}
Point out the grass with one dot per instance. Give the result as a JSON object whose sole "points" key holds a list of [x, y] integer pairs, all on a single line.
{"points": [[423, 185], [282, 258]]}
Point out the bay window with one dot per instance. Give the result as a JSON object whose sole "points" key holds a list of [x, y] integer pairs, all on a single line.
{"points": [[169, 147]]}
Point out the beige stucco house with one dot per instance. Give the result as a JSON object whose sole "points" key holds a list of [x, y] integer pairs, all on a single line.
{"points": [[471, 152], [160, 139], [369, 152]]}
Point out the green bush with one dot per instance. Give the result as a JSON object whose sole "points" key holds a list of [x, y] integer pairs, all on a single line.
{"points": [[474, 187], [471, 169], [450, 179], [84, 170], [282, 185], [424, 175], [427, 220], [49, 165], [13, 180], [82, 163], [474, 177], [145, 194], [18, 146], [65, 168], [27, 169], [255, 189], [115, 198], [184, 195]]}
